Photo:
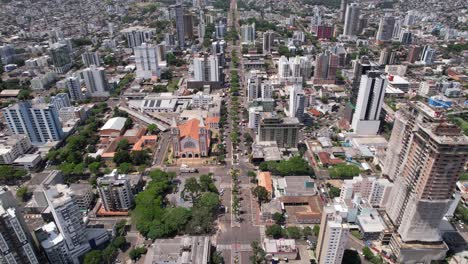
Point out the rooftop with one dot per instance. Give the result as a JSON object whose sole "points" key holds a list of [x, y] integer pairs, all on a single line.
{"points": [[115, 123]]}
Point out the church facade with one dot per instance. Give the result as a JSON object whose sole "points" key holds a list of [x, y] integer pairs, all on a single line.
{"points": [[190, 139]]}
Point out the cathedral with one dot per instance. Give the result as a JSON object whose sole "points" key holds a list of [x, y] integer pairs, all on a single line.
{"points": [[190, 139]]}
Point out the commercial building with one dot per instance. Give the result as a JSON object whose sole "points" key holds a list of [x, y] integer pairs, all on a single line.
{"points": [[386, 28], [283, 130], [332, 238], [91, 58], [180, 25], [61, 58], [351, 25], [115, 192], [17, 245], [195, 249], [96, 81], [428, 54], [40, 122], [366, 119], [147, 61]]}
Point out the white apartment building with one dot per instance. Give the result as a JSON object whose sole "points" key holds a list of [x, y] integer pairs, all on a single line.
{"points": [[68, 219], [375, 191], [332, 237], [146, 61], [96, 81], [11, 147]]}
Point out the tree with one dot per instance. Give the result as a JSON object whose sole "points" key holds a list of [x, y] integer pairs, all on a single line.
{"points": [[153, 129], [120, 228], [93, 257], [351, 257], [316, 230], [366, 251], [275, 231], [333, 191], [136, 253], [344, 171], [128, 123], [192, 187], [293, 232], [125, 168], [217, 258], [123, 145], [23, 193], [258, 254], [94, 167], [119, 242], [307, 231], [207, 184], [278, 218], [262, 194], [210, 201], [140, 157], [122, 156]]}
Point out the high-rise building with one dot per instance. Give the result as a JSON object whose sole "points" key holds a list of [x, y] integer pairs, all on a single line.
{"points": [[68, 219], [254, 117], [135, 36], [91, 58], [326, 65], [296, 102], [180, 25], [386, 28], [333, 236], [248, 34], [428, 55], [96, 81], [60, 100], [220, 30], [410, 18], [324, 32], [254, 83], [115, 191], [53, 244], [61, 58], [40, 122], [146, 61], [366, 119], [267, 90], [16, 245], [74, 88], [188, 26], [7, 54], [207, 69], [431, 155], [352, 20], [316, 20], [344, 4], [414, 53], [283, 68], [406, 37], [284, 131], [373, 190], [268, 38], [387, 57]]}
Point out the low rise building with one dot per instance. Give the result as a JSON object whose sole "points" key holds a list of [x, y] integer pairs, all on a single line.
{"points": [[12, 147], [280, 248]]}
